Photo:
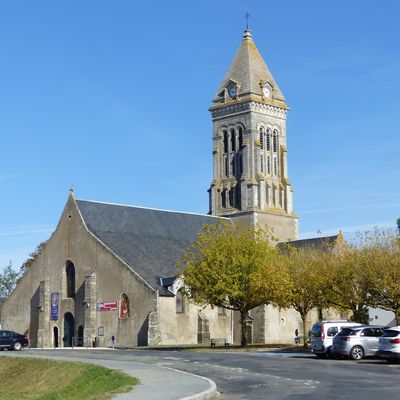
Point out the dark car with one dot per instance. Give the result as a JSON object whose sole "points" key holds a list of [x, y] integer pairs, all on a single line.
{"points": [[12, 340]]}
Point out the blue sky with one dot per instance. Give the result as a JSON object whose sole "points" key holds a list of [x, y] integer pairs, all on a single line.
{"points": [[112, 97]]}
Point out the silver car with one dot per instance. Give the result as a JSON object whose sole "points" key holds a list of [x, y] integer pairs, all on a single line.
{"points": [[358, 342], [389, 344]]}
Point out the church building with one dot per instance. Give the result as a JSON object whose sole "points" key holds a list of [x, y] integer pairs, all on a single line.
{"points": [[108, 271]]}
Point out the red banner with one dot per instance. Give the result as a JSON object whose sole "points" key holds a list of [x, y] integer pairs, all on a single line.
{"points": [[107, 306]]}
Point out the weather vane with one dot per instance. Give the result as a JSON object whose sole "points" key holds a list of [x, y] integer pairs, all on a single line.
{"points": [[247, 20]]}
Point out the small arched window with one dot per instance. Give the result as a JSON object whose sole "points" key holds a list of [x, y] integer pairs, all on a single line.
{"points": [[275, 142], [225, 141], [180, 302], [231, 197], [240, 137], [70, 274], [233, 140], [262, 137], [223, 198], [262, 163], [268, 140], [124, 306], [269, 165], [238, 197]]}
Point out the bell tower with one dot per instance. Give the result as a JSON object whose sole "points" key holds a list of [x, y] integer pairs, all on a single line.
{"points": [[250, 180]]}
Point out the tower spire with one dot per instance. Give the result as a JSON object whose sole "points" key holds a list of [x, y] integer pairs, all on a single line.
{"points": [[250, 179]]}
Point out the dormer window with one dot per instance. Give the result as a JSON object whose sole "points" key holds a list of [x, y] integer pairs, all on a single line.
{"points": [[232, 90], [267, 90]]}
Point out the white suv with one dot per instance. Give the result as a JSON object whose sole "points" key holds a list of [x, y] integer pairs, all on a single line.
{"points": [[322, 334], [389, 344]]}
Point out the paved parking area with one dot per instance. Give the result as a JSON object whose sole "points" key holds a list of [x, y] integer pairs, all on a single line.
{"points": [[269, 375]]}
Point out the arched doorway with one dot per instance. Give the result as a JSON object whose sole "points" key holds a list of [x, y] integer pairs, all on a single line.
{"points": [[70, 274], [55, 336], [80, 336], [69, 329]]}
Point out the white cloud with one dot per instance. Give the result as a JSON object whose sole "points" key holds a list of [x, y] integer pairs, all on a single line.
{"points": [[367, 206], [25, 230], [347, 229], [4, 177]]}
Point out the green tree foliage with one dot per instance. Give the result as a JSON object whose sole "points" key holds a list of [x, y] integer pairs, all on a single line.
{"points": [[32, 257], [307, 269], [350, 282], [8, 280], [383, 251], [236, 268]]}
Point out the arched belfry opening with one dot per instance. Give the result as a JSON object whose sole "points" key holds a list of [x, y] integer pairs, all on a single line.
{"points": [[70, 274]]}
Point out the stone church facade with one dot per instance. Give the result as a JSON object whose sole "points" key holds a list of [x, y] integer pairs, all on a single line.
{"points": [[109, 271]]}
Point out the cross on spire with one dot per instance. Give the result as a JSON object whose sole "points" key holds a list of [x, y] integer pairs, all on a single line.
{"points": [[247, 15]]}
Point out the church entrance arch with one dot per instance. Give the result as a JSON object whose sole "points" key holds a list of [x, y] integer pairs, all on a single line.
{"points": [[55, 336], [69, 329]]}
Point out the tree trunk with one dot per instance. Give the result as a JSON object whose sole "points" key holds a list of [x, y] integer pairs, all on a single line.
{"points": [[397, 316], [305, 332], [359, 314], [243, 315]]}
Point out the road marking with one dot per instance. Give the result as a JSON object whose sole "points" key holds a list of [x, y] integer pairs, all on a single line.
{"points": [[306, 383]]}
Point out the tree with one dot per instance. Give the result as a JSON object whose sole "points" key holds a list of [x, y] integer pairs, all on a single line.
{"points": [[32, 257], [236, 268], [398, 224], [384, 256], [350, 279], [8, 280], [308, 277]]}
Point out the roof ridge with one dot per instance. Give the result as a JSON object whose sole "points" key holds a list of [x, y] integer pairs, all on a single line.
{"points": [[151, 208]]}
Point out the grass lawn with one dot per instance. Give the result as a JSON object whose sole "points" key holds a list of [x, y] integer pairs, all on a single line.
{"points": [[38, 379]]}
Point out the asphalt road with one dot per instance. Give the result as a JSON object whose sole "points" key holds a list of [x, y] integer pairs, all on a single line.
{"points": [[268, 375]]}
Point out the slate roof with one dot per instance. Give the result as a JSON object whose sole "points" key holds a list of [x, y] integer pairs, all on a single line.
{"points": [[318, 242], [150, 241], [248, 68]]}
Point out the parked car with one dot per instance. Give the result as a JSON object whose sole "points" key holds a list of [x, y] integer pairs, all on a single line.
{"points": [[389, 344], [12, 340], [358, 342], [322, 334]]}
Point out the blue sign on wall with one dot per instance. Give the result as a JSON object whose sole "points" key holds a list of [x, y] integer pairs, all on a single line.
{"points": [[54, 306]]}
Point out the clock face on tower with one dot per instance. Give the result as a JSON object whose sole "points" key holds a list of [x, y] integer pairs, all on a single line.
{"points": [[267, 90], [232, 90]]}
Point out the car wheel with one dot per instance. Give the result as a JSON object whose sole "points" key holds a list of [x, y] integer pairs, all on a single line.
{"points": [[17, 346], [320, 355], [357, 353]]}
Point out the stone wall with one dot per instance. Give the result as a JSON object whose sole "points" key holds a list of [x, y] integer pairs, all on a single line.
{"points": [[183, 328], [98, 272]]}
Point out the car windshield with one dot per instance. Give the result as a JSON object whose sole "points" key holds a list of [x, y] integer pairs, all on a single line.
{"points": [[345, 332], [348, 332], [316, 331], [390, 333]]}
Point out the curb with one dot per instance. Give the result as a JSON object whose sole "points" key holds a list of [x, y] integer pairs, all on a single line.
{"points": [[207, 394]]}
